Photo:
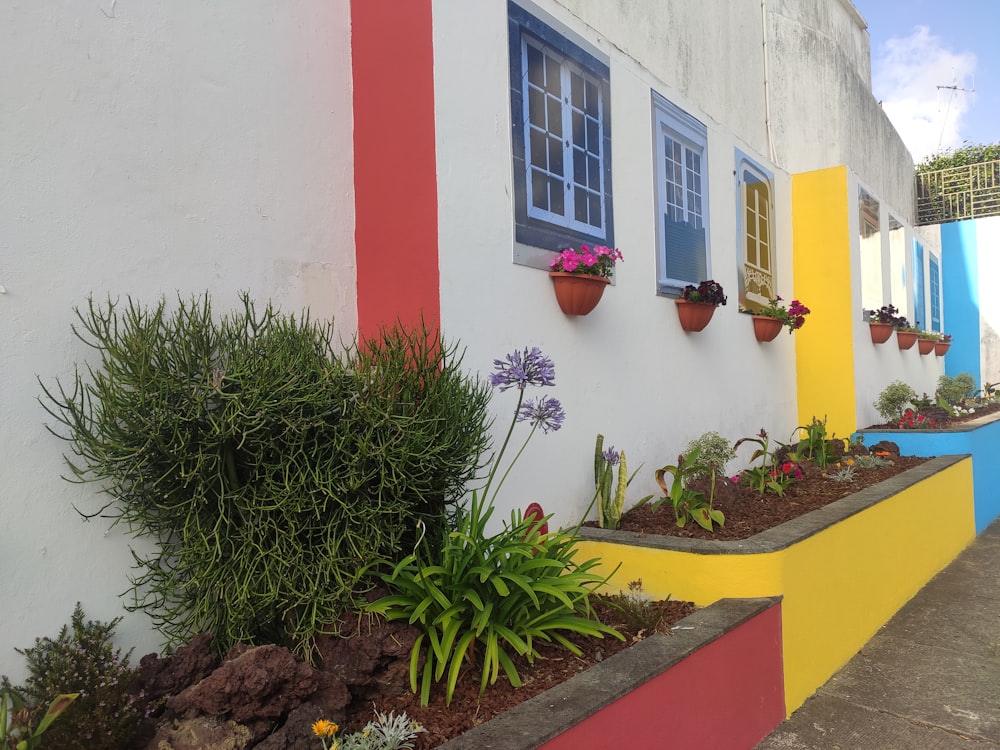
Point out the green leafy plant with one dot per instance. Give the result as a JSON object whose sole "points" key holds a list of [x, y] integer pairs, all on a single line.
{"points": [[816, 445], [611, 502], [715, 452], [955, 389], [15, 731], [267, 466], [385, 732], [893, 399], [771, 475], [688, 504], [502, 592]]}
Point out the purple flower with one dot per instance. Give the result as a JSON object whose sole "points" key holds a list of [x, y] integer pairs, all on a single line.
{"points": [[611, 456], [523, 368], [546, 413]]}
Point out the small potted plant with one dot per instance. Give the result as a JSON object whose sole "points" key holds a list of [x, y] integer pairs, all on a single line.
{"points": [[883, 321], [767, 322], [580, 277], [697, 304], [927, 341], [943, 344]]}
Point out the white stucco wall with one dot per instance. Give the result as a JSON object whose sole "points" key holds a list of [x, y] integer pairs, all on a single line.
{"points": [[150, 148], [627, 370]]}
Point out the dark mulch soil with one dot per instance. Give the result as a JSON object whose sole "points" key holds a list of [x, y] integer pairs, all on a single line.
{"points": [[748, 513], [556, 665]]}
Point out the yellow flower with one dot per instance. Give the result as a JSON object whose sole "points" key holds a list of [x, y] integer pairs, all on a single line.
{"points": [[324, 728]]}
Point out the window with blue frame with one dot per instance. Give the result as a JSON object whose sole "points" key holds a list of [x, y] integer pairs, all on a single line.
{"points": [[561, 139], [681, 196], [934, 279], [754, 220], [919, 293]]}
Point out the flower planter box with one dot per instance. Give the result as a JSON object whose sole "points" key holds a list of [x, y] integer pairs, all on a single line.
{"points": [[724, 660], [842, 570], [979, 438]]}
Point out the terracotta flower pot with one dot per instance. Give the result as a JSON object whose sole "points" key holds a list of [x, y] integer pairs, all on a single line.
{"points": [[926, 346], [766, 328], [906, 339], [941, 347], [578, 294], [880, 331], [694, 316]]}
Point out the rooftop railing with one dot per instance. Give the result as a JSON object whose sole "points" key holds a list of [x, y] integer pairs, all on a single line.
{"points": [[954, 193]]}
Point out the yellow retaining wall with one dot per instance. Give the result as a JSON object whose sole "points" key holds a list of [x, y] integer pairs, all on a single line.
{"points": [[821, 242], [839, 584]]}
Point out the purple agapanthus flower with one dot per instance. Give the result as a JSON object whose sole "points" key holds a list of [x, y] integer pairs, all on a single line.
{"points": [[611, 456], [523, 368], [546, 413]]}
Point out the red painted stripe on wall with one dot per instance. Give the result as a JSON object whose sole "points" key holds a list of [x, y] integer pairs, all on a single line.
{"points": [[728, 695], [395, 168]]}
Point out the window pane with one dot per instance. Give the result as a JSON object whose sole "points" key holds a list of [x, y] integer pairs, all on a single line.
{"points": [[594, 172], [536, 108], [552, 75], [576, 86], [539, 190], [592, 107], [685, 256], [536, 71], [579, 166], [556, 156], [595, 209], [593, 136], [579, 130], [554, 120], [537, 155], [580, 205], [557, 196]]}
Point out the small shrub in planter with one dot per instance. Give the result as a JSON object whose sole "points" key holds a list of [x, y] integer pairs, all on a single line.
{"points": [[955, 389], [891, 401]]}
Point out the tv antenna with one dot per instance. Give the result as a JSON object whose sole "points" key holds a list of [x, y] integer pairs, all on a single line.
{"points": [[953, 89]]}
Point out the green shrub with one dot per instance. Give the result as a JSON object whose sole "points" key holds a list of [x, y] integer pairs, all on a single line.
{"points": [[954, 390], [503, 592], [82, 659], [714, 450], [893, 400], [268, 467]]}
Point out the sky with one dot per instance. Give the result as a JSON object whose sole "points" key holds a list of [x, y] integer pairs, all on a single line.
{"points": [[920, 45]]}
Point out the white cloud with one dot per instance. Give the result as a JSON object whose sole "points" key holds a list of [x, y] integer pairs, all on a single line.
{"points": [[907, 73]]}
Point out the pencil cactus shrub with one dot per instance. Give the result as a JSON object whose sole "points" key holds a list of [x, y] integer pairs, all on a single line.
{"points": [[267, 464]]}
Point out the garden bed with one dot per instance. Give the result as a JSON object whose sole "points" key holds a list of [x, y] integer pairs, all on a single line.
{"points": [[977, 435], [843, 570]]}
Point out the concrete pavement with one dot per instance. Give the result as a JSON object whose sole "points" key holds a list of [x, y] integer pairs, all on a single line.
{"points": [[928, 680]]}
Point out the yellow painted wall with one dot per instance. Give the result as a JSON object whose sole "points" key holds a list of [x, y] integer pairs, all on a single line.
{"points": [[839, 585], [821, 256]]}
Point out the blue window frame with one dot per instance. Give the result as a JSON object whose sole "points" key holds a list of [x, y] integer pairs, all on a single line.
{"points": [[561, 137], [754, 219], [919, 294], [934, 277], [681, 196]]}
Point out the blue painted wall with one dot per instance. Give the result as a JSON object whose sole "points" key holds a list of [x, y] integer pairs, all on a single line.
{"points": [[961, 297], [983, 443]]}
